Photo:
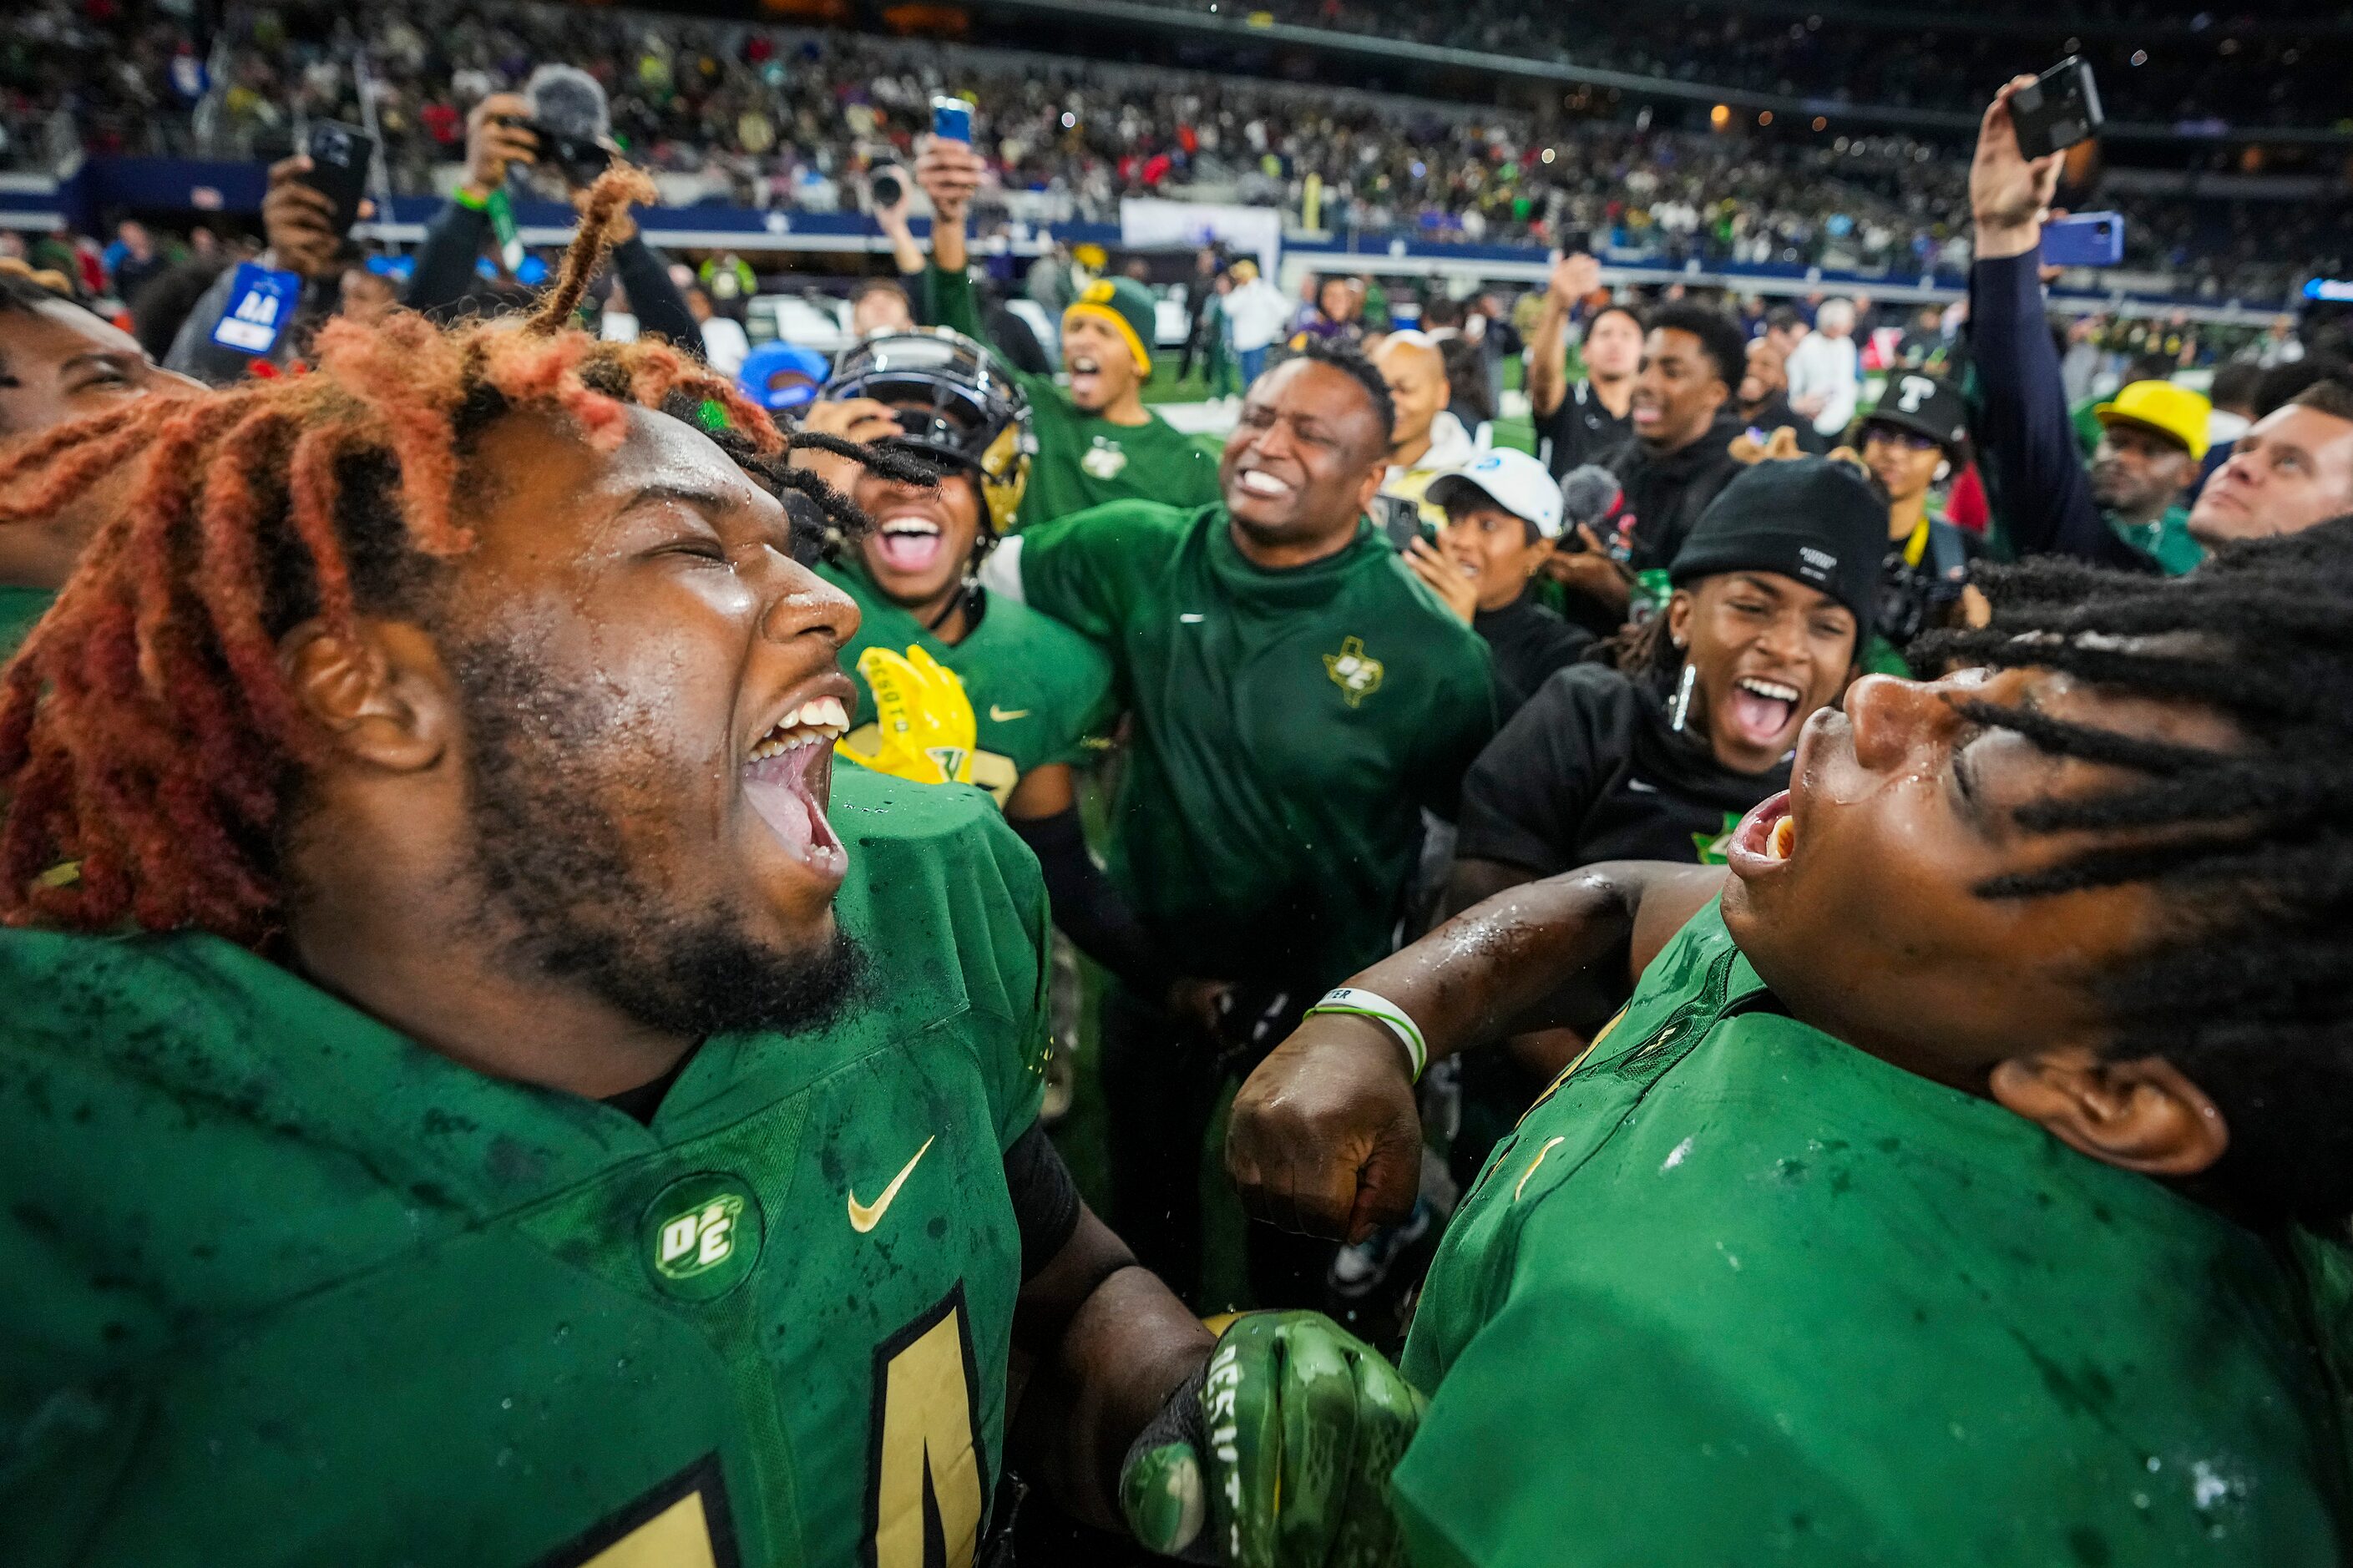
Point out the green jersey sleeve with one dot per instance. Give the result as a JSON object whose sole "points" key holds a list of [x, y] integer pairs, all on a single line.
{"points": [[1074, 675], [1089, 570], [953, 304], [949, 301]]}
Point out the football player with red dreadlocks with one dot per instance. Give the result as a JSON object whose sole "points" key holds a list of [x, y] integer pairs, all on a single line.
{"points": [[448, 1122]]}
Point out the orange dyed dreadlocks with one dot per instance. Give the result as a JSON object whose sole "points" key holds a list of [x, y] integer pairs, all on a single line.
{"points": [[146, 731]]}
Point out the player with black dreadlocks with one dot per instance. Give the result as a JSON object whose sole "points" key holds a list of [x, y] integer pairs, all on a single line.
{"points": [[445, 1120], [1969, 1184]]}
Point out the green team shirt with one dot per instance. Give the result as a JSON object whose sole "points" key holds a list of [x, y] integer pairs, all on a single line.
{"points": [[19, 608], [1040, 692], [287, 1288], [1289, 725], [1735, 1292], [1083, 460], [2165, 542]]}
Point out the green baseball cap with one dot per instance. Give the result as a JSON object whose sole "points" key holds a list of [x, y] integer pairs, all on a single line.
{"points": [[1127, 305]]}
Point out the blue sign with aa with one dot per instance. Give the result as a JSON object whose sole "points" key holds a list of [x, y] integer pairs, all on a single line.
{"points": [[261, 302]]}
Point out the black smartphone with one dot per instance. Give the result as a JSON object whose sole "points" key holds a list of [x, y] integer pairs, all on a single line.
{"points": [[340, 156], [2060, 108], [1399, 519]]}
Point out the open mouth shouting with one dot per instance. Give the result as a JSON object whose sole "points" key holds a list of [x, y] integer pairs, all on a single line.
{"points": [[1761, 711], [1085, 371], [1766, 837], [788, 776], [908, 541]]}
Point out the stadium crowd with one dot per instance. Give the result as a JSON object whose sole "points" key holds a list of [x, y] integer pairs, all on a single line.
{"points": [[1763, 978], [2247, 70], [767, 116]]}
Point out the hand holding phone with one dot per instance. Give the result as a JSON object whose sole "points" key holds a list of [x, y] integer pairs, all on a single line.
{"points": [[340, 156], [2060, 109]]}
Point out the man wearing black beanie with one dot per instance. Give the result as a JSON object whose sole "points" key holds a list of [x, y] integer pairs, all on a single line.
{"points": [[1658, 756]]}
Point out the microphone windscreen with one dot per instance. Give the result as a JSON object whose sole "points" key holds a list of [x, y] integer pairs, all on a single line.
{"points": [[1588, 495], [570, 104]]}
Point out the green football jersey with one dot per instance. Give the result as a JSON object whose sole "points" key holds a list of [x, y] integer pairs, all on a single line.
{"points": [[1289, 726], [19, 608], [1040, 692], [284, 1287], [1083, 460], [1735, 1292]]}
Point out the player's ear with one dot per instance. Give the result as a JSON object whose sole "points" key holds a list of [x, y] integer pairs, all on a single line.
{"points": [[2141, 1114], [379, 692]]}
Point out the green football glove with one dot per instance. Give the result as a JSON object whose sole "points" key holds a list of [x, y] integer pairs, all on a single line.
{"points": [[1277, 1454]]}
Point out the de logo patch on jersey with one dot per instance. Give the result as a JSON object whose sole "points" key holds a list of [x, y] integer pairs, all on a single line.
{"points": [[702, 1235], [1356, 673]]}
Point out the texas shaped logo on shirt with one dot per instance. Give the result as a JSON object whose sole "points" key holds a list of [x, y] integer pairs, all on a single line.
{"points": [[1356, 673], [1104, 459]]}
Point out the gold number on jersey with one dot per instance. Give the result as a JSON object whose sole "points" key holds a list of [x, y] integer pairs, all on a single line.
{"points": [[926, 1491]]}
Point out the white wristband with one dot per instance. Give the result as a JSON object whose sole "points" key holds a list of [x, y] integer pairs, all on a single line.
{"points": [[1381, 1010]]}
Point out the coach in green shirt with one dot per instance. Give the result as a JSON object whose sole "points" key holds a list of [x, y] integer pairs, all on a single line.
{"points": [[1298, 698], [1096, 441]]}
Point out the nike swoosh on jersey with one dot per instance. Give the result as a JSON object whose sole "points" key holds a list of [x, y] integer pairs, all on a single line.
{"points": [[1639, 787], [862, 1217], [1007, 715]]}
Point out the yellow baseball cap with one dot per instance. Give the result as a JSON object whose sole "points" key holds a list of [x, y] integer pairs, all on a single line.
{"points": [[2167, 409]]}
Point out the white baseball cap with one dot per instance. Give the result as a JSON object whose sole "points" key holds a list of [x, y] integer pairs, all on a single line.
{"points": [[1512, 480]]}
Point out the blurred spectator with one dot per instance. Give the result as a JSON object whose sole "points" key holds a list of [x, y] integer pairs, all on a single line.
{"points": [[1256, 314], [1200, 295], [1680, 457], [1914, 440], [1428, 439], [2279, 345], [132, 261], [1763, 399], [58, 362], [616, 322], [724, 345], [1825, 374], [297, 226], [1502, 514], [880, 305], [1582, 421], [1332, 315], [1785, 329]]}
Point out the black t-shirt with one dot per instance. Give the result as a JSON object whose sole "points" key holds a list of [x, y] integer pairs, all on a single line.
{"points": [[1582, 430], [1666, 492], [1587, 771], [1528, 642], [1774, 413]]}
